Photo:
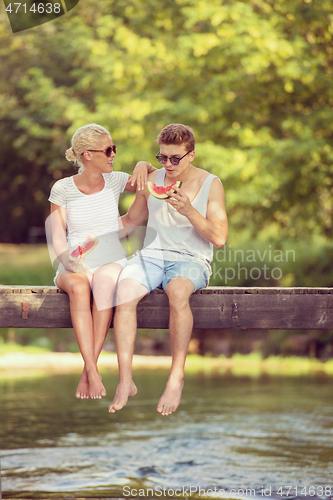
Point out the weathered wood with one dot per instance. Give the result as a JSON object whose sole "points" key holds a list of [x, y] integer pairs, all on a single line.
{"points": [[213, 307]]}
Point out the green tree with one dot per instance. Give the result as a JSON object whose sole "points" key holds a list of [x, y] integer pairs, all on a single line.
{"points": [[253, 78]]}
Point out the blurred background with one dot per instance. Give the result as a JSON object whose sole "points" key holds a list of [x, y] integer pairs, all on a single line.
{"points": [[253, 78]]}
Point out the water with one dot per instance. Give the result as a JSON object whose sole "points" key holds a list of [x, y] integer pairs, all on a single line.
{"points": [[229, 433]]}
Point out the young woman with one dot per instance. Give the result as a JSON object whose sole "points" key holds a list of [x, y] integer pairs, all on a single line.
{"points": [[84, 209]]}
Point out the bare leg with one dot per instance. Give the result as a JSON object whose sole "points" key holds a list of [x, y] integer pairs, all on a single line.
{"points": [[78, 288], [130, 292], [178, 291], [103, 284]]}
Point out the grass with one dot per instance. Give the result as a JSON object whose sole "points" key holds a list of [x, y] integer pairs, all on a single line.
{"points": [[251, 365], [25, 265], [254, 365], [8, 348]]}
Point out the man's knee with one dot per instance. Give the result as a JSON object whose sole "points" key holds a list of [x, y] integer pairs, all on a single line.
{"points": [[103, 287], [129, 294], [179, 291]]}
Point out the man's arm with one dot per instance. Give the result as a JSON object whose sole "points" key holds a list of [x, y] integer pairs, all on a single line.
{"points": [[213, 227]]}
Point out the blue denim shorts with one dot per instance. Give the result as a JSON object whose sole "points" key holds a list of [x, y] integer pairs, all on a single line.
{"points": [[156, 273]]}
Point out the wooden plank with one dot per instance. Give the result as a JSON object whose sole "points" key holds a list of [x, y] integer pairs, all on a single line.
{"points": [[45, 310], [213, 307], [279, 312]]}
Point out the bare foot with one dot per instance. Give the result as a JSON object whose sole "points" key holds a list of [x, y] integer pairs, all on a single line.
{"points": [[171, 396], [123, 392], [82, 391], [96, 388]]}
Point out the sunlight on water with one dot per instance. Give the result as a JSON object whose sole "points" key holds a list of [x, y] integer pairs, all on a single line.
{"points": [[230, 433]]}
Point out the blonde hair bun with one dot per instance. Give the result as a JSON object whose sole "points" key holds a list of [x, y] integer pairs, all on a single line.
{"points": [[70, 155]]}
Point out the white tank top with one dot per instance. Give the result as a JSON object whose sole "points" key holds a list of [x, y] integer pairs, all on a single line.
{"points": [[177, 239]]}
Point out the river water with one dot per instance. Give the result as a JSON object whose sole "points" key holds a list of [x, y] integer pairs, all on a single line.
{"points": [[246, 437]]}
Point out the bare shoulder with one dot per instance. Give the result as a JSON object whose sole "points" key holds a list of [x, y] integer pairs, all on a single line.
{"points": [[201, 176], [216, 191], [217, 184]]}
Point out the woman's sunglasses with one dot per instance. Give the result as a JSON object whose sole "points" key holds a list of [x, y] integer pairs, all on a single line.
{"points": [[108, 151], [173, 160]]}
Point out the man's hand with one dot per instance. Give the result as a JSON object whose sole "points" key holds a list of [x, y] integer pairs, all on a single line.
{"points": [[180, 201]]}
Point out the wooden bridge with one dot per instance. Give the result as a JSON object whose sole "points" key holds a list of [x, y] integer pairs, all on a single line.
{"points": [[212, 307]]}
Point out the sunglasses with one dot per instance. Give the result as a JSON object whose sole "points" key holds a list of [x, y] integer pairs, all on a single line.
{"points": [[108, 151], [173, 160]]}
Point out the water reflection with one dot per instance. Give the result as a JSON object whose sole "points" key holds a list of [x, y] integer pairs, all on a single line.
{"points": [[227, 433]]}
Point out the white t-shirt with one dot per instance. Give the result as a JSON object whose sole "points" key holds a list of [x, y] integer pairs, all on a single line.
{"points": [[96, 213]]}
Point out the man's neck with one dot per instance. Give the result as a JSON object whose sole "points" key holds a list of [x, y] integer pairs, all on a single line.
{"points": [[184, 176]]}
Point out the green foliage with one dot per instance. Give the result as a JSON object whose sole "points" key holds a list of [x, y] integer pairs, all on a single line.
{"points": [[252, 78]]}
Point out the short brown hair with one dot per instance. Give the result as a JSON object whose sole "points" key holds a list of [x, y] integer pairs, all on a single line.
{"points": [[176, 133]]}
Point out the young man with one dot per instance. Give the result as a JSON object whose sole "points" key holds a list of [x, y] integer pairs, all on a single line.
{"points": [[188, 224]]}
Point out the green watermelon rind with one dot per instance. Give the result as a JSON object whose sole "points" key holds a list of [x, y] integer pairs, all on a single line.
{"points": [[91, 239], [164, 196]]}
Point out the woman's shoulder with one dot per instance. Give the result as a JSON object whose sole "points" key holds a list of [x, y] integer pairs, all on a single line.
{"points": [[116, 174], [116, 178], [63, 183], [61, 190]]}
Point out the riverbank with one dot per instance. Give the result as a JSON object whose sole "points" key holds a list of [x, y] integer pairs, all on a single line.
{"points": [[15, 364]]}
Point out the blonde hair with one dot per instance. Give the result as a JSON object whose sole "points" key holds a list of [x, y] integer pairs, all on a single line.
{"points": [[176, 133], [86, 137]]}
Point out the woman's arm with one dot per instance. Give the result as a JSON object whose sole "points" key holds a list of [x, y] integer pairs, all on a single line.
{"points": [[58, 228], [136, 215], [139, 176], [59, 240]]}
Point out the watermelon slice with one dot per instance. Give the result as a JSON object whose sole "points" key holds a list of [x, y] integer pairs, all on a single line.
{"points": [[161, 192], [86, 247]]}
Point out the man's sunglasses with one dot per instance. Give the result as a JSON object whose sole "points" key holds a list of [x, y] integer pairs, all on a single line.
{"points": [[108, 151], [173, 160]]}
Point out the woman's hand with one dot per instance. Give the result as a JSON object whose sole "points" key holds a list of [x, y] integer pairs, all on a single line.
{"points": [[75, 266], [140, 174]]}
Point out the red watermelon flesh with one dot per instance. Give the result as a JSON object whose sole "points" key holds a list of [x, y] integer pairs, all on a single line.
{"points": [[85, 248], [161, 192]]}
